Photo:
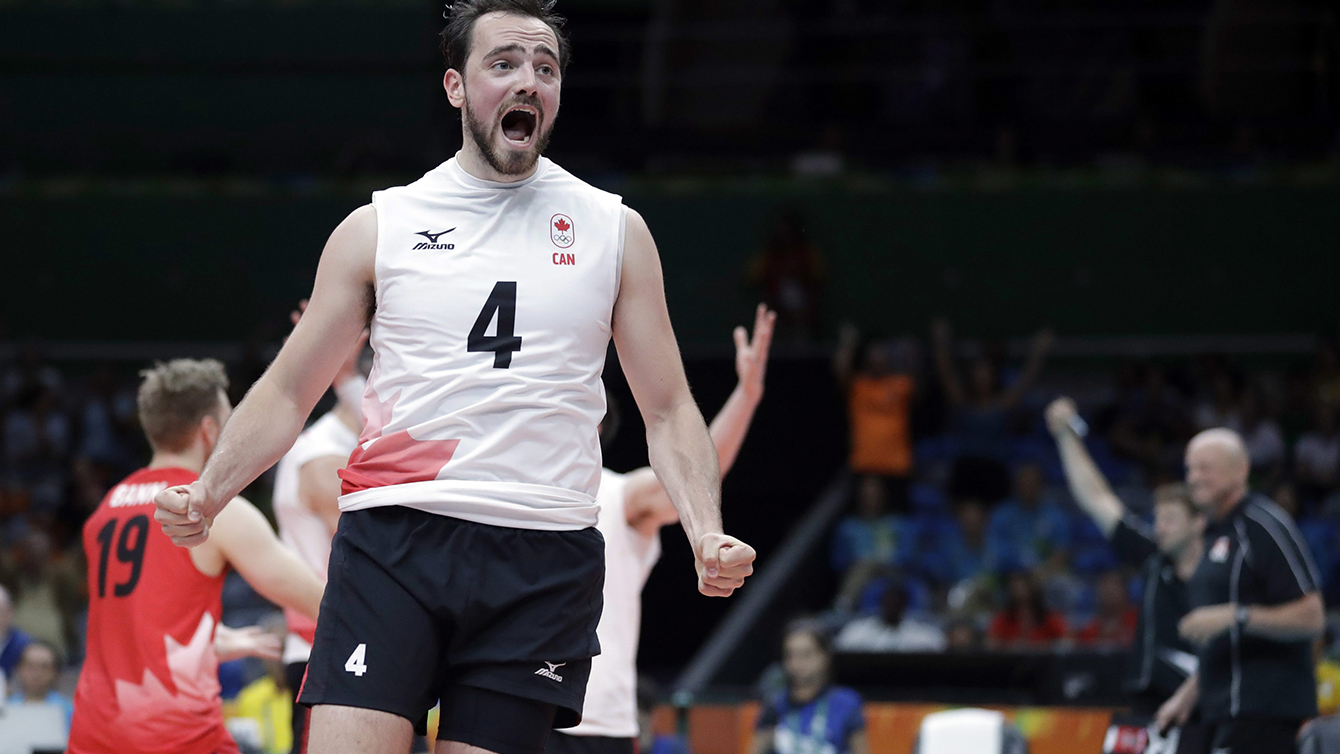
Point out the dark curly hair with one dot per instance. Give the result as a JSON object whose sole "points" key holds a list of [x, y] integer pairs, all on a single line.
{"points": [[462, 14]]}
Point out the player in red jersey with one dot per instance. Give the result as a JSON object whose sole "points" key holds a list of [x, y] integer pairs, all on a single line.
{"points": [[150, 681]]}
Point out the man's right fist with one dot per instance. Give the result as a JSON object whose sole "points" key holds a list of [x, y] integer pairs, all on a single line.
{"points": [[1059, 414], [185, 513]]}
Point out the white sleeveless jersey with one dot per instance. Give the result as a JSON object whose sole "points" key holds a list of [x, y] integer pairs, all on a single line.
{"points": [[610, 708], [300, 528], [494, 310]]}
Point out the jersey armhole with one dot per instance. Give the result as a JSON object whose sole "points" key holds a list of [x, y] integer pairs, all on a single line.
{"points": [[377, 254], [618, 253]]}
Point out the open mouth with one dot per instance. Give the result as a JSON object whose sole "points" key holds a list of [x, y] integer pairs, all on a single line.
{"points": [[518, 125]]}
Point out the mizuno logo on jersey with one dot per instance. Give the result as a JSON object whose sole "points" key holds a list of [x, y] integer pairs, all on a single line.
{"points": [[432, 240], [549, 671]]}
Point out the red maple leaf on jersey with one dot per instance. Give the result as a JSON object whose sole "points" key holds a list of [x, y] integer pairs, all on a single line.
{"points": [[562, 224]]}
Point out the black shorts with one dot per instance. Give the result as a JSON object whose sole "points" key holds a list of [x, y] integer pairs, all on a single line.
{"points": [[418, 603], [561, 743]]}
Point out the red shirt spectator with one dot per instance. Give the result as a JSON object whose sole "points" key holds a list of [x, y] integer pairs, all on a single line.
{"points": [[1025, 620]]}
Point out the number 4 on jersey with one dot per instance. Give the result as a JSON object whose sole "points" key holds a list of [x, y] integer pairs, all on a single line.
{"points": [[503, 342], [356, 663]]}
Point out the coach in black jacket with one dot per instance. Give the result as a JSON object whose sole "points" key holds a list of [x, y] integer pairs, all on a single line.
{"points": [[1256, 607]]}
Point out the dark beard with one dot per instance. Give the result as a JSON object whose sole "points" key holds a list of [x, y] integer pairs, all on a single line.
{"points": [[511, 162]]}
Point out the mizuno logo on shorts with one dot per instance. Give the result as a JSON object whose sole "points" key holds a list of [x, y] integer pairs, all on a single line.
{"points": [[549, 671]]}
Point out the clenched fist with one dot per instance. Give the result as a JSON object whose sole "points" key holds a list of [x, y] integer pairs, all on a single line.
{"points": [[186, 512], [722, 562]]}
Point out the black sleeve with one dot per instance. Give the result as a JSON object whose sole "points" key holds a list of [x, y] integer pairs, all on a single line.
{"points": [[1280, 557], [1133, 540]]}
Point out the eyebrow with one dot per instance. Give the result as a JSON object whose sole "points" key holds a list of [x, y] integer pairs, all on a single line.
{"points": [[517, 47]]}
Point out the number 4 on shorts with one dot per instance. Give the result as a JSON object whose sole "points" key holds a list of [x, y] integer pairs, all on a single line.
{"points": [[356, 663]]}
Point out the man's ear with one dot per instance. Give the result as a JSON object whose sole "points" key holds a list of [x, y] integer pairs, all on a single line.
{"points": [[454, 83], [209, 426]]}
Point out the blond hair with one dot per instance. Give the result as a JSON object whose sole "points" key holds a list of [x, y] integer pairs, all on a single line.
{"points": [[176, 396]]}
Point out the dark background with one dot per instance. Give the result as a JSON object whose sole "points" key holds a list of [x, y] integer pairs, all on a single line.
{"points": [[1109, 168]]}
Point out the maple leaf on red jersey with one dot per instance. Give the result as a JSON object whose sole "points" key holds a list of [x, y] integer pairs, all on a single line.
{"points": [[562, 224]]}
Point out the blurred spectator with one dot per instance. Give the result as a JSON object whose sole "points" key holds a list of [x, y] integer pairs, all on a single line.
{"points": [[1263, 436], [108, 423], [879, 395], [1221, 409], [961, 635], [1028, 531], [1317, 456], [1326, 375], [870, 542], [47, 592], [30, 371], [811, 715], [36, 440], [790, 272], [648, 740], [980, 414], [959, 550], [13, 640], [892, 630], [1025, 621], [35, 680], [1150, 427], [1116, 619]]}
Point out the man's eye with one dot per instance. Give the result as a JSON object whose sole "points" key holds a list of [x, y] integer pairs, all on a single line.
{"points": [[502, 65], [546, 70]]}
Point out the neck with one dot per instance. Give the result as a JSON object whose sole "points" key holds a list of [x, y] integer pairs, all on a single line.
{"points": [[472, 161], [804, 692], [1230, 501], [192, 459], [349, 417], [1187, 560], [34, 697]]}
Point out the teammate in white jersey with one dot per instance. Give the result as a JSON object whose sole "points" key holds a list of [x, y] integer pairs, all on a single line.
{"points": [[466, 566], [633, 508]]}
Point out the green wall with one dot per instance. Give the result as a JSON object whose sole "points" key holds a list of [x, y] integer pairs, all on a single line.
{"points": [[212, 263]]}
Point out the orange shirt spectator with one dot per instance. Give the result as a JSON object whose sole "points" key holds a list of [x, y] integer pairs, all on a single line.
{"points": [[881, 435]]}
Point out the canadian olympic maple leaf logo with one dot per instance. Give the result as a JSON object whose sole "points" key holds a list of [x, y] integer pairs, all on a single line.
{"points": [[561, 231]]}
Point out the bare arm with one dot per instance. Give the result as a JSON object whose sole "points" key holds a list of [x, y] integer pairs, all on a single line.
{"points": [[1042, 343], [1177, 710], [244, 539], [1304, 618], [942, 338], [268, 420], [1087, 484], [319, 488], [647, 507], [678, 443]]}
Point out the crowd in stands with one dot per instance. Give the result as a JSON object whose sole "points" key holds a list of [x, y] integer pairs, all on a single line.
{"points": [[962, 533]]}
